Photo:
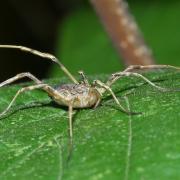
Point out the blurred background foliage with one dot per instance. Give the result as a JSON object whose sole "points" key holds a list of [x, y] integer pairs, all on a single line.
{"points": [[71, 30]]}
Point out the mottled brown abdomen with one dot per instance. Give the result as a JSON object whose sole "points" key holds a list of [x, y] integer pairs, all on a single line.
{"points": [[79, 95]]}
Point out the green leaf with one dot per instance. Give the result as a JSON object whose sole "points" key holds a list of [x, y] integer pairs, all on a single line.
{"points": [[108, 144]]}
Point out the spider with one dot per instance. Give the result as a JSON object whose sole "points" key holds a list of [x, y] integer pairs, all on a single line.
{"points": [[78, 94]]}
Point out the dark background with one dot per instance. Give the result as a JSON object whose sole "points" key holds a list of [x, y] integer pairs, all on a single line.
{"points": [[71, 30], [34, 24]]}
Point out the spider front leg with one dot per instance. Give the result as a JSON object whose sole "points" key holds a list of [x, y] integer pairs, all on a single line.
{"points": [[103, 88], [28, 88], [43, 55]]}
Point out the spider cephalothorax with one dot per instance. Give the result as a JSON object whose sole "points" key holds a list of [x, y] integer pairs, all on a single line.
{"points": [[81, 95]]}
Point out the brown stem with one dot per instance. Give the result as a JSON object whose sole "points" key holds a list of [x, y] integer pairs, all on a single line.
{"points": [[123, 31]]}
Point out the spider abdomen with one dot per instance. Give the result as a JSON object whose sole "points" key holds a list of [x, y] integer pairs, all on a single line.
{"points": [[79, 95]]}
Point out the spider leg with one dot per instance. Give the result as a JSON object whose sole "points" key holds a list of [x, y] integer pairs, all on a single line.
{"points": [[43, 55], [70, 121], [20, 76], [140, 67], [120, 74], [128, 72], [106, 87], [97, 103], [28, 88], [51, 92]]}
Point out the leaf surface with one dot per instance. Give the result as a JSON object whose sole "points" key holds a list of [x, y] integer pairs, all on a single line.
{"points": [[108, 144]]}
